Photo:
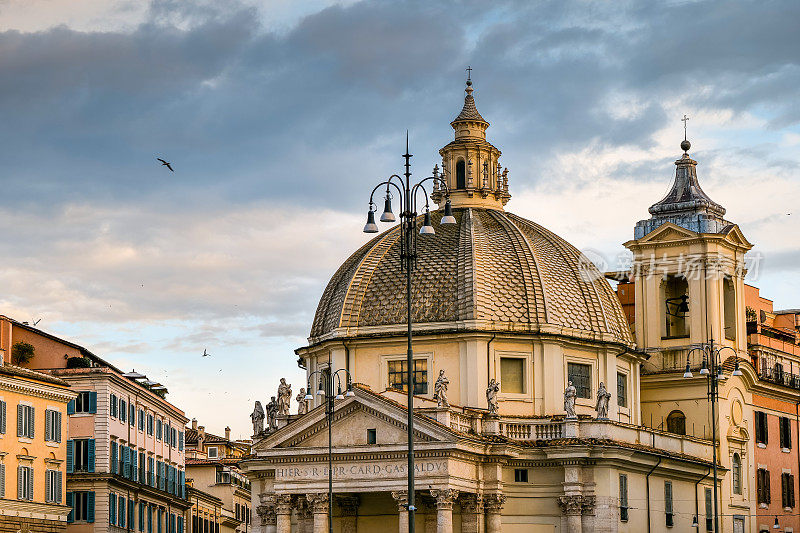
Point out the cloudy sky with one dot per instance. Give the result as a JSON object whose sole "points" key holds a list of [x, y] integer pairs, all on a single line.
{"points": [[279, 116]]}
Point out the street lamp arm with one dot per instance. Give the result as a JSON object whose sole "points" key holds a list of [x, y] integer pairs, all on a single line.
{"points": [[387, 183], [418, 187]]}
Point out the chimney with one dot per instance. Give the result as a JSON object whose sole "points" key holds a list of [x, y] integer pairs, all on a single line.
{"points": [[227, 433], [201, 437], [194, 424]]}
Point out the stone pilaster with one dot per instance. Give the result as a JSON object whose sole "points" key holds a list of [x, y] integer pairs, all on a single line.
{"points": [[318, 502], [493, 503], [349, 509], [471, 513], [401, 497], [305, 517], [267, 516], [574, 506], [444, 509], [283, 513]]}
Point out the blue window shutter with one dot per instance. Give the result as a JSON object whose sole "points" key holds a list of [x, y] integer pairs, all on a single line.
{"points": [[141, 516], [93, 402], [113, 406], [131, 514], [113, 457], [90, 506], [134, 465], [71, 505], [70, 455], [150, 519], [90, 446], [71, 407], [121, 514], [182, 484], [112, 508]]}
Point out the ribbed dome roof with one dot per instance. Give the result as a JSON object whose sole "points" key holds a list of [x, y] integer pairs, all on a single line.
{"points": [[492, 271]]}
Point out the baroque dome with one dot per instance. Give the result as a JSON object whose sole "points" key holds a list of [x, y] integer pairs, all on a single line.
{"points": [[491, 271]]}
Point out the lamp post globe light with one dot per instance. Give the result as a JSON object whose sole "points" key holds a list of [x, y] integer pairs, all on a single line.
{"points": [[407, 196], [326, 382], [711, 368]]}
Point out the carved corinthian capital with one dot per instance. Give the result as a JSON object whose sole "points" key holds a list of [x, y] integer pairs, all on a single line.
{"points": [[444, 497], [571, 505], [283, 504], [401, 497], [471, 503], [493, 503], [318, 502]]}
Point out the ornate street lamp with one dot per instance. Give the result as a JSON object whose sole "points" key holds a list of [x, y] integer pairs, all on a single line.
{"points": [[407, 195], [326, 383], [712, 369]]}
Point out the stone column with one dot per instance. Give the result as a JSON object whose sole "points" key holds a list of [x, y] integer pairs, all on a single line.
{"points": [[444, 509], [283, 513], [349, 508], [266, 513], [318, 502], [401, 497], [305, 518], [471, 513], [493, 503], [572, 507]]}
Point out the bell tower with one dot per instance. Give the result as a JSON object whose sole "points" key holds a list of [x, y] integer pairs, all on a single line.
{"points": [[688, 270], [470, 164]]}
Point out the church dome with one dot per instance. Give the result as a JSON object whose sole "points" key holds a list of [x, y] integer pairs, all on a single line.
{"points": [[491, 271]]}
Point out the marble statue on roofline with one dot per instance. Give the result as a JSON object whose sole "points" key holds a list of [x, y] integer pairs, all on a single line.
{"points": [[603, 397], [284, 397], [491, 396], [272, 413], [570, 393], [257, 416], [440, 390], [302, 404]]}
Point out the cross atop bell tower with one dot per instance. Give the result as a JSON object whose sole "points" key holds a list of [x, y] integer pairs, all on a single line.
{"points": [[470, 164]]}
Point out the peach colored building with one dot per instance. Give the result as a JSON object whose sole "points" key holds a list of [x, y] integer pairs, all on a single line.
{"points": [[125, 449]]}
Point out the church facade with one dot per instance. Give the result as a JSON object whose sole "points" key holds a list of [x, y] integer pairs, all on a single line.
{"points": [[534, 388]]}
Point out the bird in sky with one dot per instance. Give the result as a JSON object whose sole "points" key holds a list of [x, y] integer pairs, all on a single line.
{"points": [[165, 164], [205, 352]]}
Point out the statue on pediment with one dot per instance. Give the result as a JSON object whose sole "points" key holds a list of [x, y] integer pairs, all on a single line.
{"points": [[491, 396], [440, 390], [284, 397], [302, 404], [257, 416]]}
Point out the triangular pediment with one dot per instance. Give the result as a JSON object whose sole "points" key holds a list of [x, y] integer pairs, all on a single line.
{"points": [[668, 232], [351, 419], [734, 235]]}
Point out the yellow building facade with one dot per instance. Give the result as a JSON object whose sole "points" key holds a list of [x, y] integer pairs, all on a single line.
{"points": [[33, 450]]}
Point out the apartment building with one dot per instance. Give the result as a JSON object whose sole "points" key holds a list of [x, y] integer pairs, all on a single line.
{"points": [[124, 451], [33, 450]]}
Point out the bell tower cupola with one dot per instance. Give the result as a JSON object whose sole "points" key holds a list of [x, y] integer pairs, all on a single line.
{"points": [[470, 164]]}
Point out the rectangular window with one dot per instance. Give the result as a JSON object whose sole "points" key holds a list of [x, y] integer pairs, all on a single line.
{"points": [[669, 516], [113, 406], [580, 376], [212, 452], [141, 419], [142, 478], [520, 475], [787, 490], [180, 441], [86, 402], [709, 511], [761, 427], [123, 410], [762, 486], [82, 506], [149, 424], [132, 415], [623, 497], [622, 389], [25, 421], [52, 425], [158, 429], [512, 375], [83, 455], [372, 436], [52, 486], [24, 483], [398, 375], [785, 432], [174, 438]]}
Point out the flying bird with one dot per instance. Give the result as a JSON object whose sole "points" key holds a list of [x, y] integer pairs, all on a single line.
{"points": [[165, 164], [205, 352]]}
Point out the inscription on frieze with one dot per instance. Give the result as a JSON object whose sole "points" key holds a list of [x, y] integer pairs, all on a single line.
{"points": [[365, 470]]}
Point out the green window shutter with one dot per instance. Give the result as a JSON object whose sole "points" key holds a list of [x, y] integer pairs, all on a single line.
{"points": [[48, 432], [112, 508], [71, 407], [92, 402], [113, 407], [58, 426], [90, 506], [90, 446], [31, 422], [71, 505], [2, 417], [70, 455], [20, 420]]}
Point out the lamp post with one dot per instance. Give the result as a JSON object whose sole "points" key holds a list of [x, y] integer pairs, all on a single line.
{"points": [[407, 194], [326, 382], [712, 369]]}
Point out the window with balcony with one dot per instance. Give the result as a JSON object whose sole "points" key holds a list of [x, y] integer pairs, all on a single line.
{"points": [[398, 375], [622, 389], [82, 506], [80, 455], [676, 422], [512, 375], [580, 376]]}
